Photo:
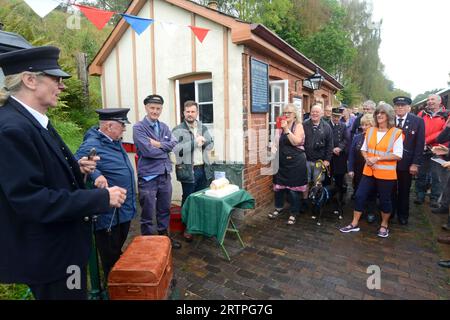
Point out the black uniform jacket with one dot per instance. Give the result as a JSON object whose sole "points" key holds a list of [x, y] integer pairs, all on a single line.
{"points": [[339, 163], [43, 203], [413, 143]]}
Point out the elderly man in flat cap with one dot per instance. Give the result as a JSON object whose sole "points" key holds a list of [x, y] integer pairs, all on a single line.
{"points": [[45, 211], [154, 142], [113, 169], [413, 129]]}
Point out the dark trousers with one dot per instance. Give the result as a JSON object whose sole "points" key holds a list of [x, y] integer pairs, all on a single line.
{"points": [[339, 181], [59, 290], [109, 245], [199, 183], [369, 186], [445, 200], [155, 197], [429, 167], [400, 194], [294, 200]]}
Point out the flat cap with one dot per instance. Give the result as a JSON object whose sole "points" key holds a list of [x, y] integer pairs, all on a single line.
{"points": [[38, 59], [154, 98]]}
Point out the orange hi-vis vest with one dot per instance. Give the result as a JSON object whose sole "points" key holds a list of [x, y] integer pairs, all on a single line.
{"points": [[385, 170]]}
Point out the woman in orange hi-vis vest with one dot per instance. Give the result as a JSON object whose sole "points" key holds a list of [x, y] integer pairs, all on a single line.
{"points": [[382, 148]]}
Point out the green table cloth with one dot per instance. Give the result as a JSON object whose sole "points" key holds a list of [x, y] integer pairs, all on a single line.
{"points": [[209, 216]]}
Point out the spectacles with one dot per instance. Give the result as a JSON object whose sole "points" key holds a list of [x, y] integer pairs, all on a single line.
{"points": [[287, 113], [56, 79]]}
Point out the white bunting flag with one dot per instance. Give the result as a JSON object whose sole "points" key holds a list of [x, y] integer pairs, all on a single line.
{"points": [[169, 27], [43, 7]]}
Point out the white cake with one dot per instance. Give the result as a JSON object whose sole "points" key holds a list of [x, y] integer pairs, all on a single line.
{"points": [[222, 192], [220, 188]]}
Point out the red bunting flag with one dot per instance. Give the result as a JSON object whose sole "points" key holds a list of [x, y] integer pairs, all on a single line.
{"points": [[97, 16], [200, 33]]}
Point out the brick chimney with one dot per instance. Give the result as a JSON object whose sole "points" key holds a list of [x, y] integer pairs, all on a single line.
{"points": [[213, 5]]}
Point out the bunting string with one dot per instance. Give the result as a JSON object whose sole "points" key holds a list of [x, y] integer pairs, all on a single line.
{"points": [[100, 18]]}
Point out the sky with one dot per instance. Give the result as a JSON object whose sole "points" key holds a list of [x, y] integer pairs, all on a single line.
{"points": [[415, 47]]}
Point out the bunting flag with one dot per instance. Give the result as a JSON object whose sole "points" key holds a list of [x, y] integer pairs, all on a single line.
{"points": [[169, 27], [200, 33], [138, 24], [98, 17], [42, 7]]}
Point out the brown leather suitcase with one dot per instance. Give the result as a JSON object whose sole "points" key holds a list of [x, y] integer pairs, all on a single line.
{"points": [[144, 271]]}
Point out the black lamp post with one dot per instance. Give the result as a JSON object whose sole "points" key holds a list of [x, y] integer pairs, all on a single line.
{"points": [[314, 82]]}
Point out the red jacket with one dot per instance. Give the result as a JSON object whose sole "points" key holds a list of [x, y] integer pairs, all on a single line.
{"points": [[433, 125]]}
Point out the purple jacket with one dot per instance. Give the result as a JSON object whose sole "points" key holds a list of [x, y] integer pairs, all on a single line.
{"points": [[153, 161]]}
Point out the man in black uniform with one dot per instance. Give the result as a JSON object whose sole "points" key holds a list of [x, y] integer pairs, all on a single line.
{"points": [[413, 129], [45, 224], [339, 159]]}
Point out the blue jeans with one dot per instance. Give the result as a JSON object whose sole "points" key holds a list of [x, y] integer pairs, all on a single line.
{"points": [[294, 200], [199, 184], [436, 183]]}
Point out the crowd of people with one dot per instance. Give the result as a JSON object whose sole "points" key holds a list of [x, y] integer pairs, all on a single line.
{"points": [[48, 212], [381, 150]]}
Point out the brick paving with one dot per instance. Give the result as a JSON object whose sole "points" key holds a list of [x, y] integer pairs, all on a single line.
{"points": [[306, 261]]}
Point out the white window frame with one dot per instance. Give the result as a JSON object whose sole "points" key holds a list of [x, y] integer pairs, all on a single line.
{"points": [[210, 126], [283, 86]]}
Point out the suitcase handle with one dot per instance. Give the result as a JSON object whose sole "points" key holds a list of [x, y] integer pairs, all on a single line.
{"points": [[133, 290]]}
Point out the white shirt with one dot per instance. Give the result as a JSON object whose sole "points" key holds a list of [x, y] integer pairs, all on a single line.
{"points": [[41, 118], [109, 138], [398, 144], [198, 150]]}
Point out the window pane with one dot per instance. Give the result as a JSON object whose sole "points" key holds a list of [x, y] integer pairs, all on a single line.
{"points": [[206, 113], [276, 95], [205, 92]]}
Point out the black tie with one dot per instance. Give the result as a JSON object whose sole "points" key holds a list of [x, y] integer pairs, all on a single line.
{"points": [[400, 125]]}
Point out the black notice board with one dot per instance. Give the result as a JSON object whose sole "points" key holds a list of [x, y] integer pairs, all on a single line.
{"points": [[259, 84]]}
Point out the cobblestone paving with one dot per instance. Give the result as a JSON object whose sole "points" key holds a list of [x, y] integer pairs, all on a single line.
{"points": [[306, 261]]}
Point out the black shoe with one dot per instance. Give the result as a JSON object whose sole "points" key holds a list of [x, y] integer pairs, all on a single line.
{"points": [[434, 204], [175, 244], [419, 201], [444, 263], [440, 209], [403, 221], [446, 227]]}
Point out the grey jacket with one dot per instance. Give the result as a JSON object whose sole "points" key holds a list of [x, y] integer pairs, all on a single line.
{"points": [[184, 152]]}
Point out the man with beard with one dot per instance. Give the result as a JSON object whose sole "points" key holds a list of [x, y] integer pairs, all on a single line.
{"points": [[194, 142]]}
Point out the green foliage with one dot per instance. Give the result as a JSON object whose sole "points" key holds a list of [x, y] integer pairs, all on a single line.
{"points": [[69, 132], [14, 292], [338, 35], [74, 109]]}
